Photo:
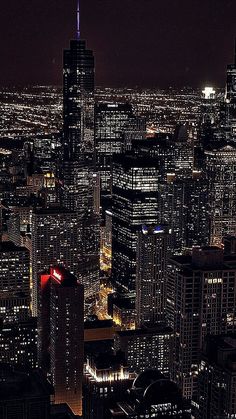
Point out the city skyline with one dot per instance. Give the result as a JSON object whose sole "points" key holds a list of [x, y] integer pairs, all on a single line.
{"points": [[118, 213], [193, 36]]}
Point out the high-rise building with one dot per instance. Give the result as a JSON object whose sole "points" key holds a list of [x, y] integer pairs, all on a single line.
{"points": [[55, 240], [61, 335], [78, 98], [15, 293], [185, 206], [221, 174], [201, 298], [134, 203], [18, 330], [144, 348], [115, 126], [217, 378], [230, 101], [78, 156], [18, 343], [151, 263]]}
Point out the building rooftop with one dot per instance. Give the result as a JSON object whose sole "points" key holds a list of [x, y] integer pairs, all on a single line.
{"points": [[159, 329]]}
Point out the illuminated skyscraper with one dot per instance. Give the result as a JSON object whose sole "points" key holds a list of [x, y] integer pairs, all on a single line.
{"points": [[61, 335], [15, 293], [184, 205], [134, 203], [115, 127], [230, 100], [55, 240], [152, 253], [217, 378], [78, 100], [78, 162], [18, 330], [201, 298], [221, 175]]}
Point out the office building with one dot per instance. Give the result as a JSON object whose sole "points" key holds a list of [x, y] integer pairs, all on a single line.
{"points": [[152, 253], [18, 343], [221, 175], [230, 101], [134, 203], [217, 378], [15, 293], [115, 127], [61, 335], [55, 240], [201, 300], [146, 348], [184, 205]]}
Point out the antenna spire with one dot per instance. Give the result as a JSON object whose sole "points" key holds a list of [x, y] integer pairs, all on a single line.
{"points": [[78, 20]]}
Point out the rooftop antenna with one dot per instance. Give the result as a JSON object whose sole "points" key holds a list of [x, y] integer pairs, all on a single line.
{"points": [[78, 20]]}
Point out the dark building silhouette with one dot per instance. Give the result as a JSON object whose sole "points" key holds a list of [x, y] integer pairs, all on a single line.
{"points": [[152, 396], [23, 395], [61, 335], [217, 378]]}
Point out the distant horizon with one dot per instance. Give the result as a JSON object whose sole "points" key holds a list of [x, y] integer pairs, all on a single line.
{"points": [[58, 86], [137, 42]]}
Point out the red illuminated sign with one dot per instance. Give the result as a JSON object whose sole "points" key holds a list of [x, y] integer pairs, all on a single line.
{"points": [[56, 275]]}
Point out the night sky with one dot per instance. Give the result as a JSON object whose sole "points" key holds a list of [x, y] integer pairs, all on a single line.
{"points": [[149, 43]]}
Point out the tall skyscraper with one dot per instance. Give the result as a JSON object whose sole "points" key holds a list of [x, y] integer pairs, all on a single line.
{"points": [[134, 203], [18, 330], [220, 164], [153, 248], [230, 101], [185, 206], [61, 335], [78, 155], [78, 98], [115, 126], [15, 293], [55, 240], [201, 300]]}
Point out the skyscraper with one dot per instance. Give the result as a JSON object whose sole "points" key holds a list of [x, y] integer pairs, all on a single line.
{"points": [[220, 163], [230, 101], [201, 300], [55, 240], [61, 335], [217, 378], [115, 126], [15, 293], [18, 330], [78, 157], [134, 203], [151, 263]]}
